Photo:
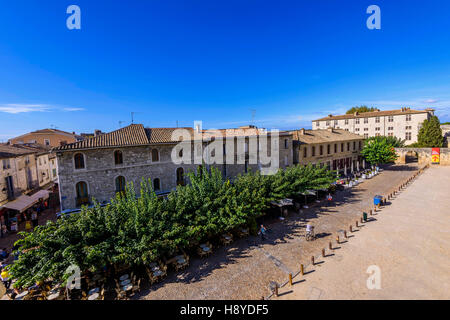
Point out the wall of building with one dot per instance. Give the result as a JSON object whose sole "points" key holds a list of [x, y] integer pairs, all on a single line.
{"points": [[55, 139], [378, 125], [100, 171]]}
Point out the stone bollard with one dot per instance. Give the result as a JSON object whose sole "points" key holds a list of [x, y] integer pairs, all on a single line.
{"points": [[362, 220], [323, 253], [330, 246], [302, 270], [357, 224], [312, 260], [370, 211], [290, 279], [337, 239], [351, 229], [345, 234]]}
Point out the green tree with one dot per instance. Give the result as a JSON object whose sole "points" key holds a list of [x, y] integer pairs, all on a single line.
{"points": [[378, 151], [361, 109], [393, 141], [430, 134]]}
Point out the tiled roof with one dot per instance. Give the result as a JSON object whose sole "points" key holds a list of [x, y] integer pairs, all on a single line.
{"points": [[324, 136], [163, 135], [7, 151], [374, 114], [132, 135]]}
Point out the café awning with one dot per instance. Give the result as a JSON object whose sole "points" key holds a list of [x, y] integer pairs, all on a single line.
{"points": [[41, 194], [21, 204]]}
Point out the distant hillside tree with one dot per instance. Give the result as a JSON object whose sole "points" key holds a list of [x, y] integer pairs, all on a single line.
{"points": [[361, 109], [378, 150], [430, 134]]}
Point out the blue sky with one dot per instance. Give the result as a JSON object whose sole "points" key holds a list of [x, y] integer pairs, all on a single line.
{"points": [[215, 61]]}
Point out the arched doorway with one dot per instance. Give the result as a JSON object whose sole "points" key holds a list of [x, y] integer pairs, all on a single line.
{"points": [[82, 193], [120, 184], [180, 177]]}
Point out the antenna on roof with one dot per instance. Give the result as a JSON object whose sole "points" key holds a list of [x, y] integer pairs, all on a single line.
{"points": [[253, 111], [132, 116], [177, 123]]}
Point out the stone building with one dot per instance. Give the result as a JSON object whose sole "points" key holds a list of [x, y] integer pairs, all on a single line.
{"points": [[336, 149], [404, 123], [46, 137], [101, 166], [446, 133], [18, 172]]}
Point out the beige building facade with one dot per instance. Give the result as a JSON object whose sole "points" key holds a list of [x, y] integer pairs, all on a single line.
{"points": [[336, 149], [46, 137], [404, 123]]}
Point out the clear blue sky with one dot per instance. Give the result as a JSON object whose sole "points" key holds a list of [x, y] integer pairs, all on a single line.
{"points": [[291, 61]]}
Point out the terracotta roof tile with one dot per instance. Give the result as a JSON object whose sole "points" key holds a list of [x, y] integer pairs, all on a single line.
{"points": [[324, 136], [373, 114]]}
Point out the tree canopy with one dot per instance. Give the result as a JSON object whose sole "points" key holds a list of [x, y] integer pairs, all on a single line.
{"points": [[134, 230], [361, 109], [430, 134], [379, 150]]}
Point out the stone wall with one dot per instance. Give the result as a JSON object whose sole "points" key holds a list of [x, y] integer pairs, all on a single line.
{"points": [[423, 155], [100, 171]]}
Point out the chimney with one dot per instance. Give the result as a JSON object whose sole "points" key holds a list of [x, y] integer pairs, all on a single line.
{"points": [[97, 132], [330, 129], [330, 115], [356, 113], [197, 128]]}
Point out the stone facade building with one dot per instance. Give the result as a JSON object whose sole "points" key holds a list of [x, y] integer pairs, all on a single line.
{"points": [[404, 123], [336, 149], [46, 137], [100, 167]]}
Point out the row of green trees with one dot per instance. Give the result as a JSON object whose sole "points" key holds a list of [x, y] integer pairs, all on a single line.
{"points": [[136, 230]]}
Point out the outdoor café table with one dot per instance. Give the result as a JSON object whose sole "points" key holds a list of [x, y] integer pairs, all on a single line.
{"points": [[125, 276], [53, 296], [94, 296], [128, 287], [157, 273], [94, 290], [125, 282], [21, 295]]}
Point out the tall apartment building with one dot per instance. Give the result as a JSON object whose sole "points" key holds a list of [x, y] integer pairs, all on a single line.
{"points": [[403, 123]]}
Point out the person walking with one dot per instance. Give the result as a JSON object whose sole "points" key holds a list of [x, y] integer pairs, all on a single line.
{"points": [[34, 218], [262, 232], [329, 199]]}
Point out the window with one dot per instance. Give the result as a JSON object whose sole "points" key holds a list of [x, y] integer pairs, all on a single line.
{"points": [[120, 184], [313, 151], [40, 161], [408, 127], [328, 123], [360, 145], [328, 149], [377, 119], [390, 128], [357, 121], [54, 172], [408, 117], [390, 134], [335, 122], [366, 120], [305, 152], [155, 155], [377, 129], [317, 124], [408, 135], [82, 193], [348, 146], [79, 161], [346, 121], [46, 142], [335, 148], [321, 150], [6, 164], [357, 129], [391, 119], [156, 184], [366, 135], [366, 129], [354, 145], [377, 134], [286, 143], [118, 158], [180, 177], [246, 166], [342, 147]]}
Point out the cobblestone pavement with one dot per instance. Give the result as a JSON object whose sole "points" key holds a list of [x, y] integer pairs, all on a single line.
{"points": [[407, 245], [244, 269]]}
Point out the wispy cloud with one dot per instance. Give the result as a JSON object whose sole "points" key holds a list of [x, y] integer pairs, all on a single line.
{"points": [[73, 109], [15, 108]]}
